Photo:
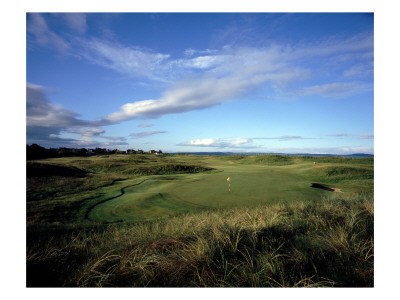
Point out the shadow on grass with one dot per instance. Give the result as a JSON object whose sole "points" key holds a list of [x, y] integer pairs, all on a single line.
{"points": [[321, 186]]}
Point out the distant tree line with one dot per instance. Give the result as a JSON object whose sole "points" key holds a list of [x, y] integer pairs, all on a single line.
{"points": [[35, 151]]}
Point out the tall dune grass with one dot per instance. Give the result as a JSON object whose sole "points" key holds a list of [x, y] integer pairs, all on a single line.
{"points": [[300, 244]]}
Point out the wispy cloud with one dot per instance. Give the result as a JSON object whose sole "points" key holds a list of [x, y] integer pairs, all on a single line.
{"points": [[201, 79], [205, 78], [146, 133], [335, 89], [89, 132], [284, 138], [146, 125], [364, 136], [43, 36], [220, 143], [235, 74], [133, 61], [231, 73], [367, 136], [339, 134], [238, 142], [76, 21], [360, 70], [343, 150]]}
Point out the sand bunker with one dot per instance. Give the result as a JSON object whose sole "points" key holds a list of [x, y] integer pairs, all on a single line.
{"points": [[323, 187]]}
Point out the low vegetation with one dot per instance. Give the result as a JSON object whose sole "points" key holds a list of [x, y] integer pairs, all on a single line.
{"points": [[147, 221], [306, 244]]}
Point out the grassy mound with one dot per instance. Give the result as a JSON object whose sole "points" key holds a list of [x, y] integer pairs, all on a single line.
{"points": [[34, 169], [339, 173], [271, 160], [165, 169]]}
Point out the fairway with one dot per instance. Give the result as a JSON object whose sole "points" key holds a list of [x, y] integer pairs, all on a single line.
{"points": [[250, 185]]}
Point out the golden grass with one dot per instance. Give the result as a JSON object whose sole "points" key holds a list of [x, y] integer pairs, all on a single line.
{"points": [[307, 244]]}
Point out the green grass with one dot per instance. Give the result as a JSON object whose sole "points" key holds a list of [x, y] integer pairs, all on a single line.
{"points": [[143, 220]]}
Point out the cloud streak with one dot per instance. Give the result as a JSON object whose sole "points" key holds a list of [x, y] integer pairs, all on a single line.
{"points": [[335, 89], [76, 21], [237, 142], [367, 136], [43, 36], [284, 138], [132, 61], [146, 125], [146, 133], [242, 143]]}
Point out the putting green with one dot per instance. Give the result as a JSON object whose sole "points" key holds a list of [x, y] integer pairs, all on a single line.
{"points": [[250, 185]]}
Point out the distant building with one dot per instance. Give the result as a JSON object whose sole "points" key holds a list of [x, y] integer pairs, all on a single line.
{"points": [[131, 151], [140, 152]]}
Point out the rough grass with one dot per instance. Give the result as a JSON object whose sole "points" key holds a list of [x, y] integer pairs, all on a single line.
{"points": [[347, 173], [281, 160], [309, 243], [165, 169]]}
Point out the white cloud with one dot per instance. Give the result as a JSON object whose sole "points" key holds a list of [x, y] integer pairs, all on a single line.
{"points": [[233, 76], [37, 27], [202, 79], [86, 131], [336, 89], [76, 21], [359, 70], [284, 138], [334, 47], [367, 136], [237, 142], [189, 52], [132, 61], [146, 133], [203, 142], [323, 150], [221, 143], [338, 134], [205, 78], [201, 62], [146, 125], [231, 73]]}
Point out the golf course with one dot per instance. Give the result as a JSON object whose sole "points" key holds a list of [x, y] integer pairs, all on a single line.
{"points": [[114, 208]]}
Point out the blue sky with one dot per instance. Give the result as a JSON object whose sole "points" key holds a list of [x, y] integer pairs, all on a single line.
{"points": [[191, 82]]}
